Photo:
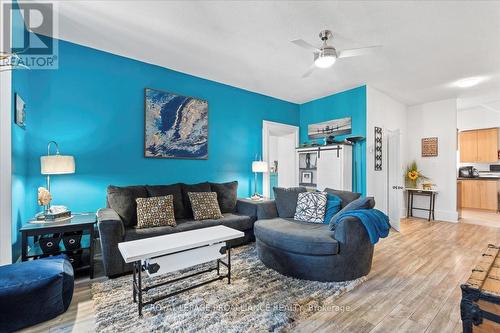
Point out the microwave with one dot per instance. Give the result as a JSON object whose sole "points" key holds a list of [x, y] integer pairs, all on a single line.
{"points": [[468, 172]]}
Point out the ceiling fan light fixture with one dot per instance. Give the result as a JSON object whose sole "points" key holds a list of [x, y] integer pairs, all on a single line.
{"points": [[326, 58], [325, 61]]}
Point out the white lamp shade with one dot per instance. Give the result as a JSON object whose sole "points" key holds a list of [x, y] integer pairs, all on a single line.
{"points": [[57, 164], [259, 166]]}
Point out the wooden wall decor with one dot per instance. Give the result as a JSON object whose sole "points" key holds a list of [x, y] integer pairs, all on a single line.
{"points": [[430, 147], [378, 149]]}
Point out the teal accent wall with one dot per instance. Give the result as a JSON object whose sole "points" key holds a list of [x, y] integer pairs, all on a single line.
{"points": [[93, 106], [349, 103]]}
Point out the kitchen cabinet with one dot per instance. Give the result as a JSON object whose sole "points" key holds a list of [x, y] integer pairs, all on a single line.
{"points": [[478, 146], [487, 145], [468, 146], [479, 194]]}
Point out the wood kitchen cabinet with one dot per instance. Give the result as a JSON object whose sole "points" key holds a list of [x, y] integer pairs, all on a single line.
{"points": [[479, 194], [479, 146]]}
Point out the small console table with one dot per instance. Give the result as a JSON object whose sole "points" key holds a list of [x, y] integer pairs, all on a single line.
{"points": [[411, 192]]}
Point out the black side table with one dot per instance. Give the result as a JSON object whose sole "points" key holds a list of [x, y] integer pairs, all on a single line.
{"points": [[84, 222], [411, 192]]}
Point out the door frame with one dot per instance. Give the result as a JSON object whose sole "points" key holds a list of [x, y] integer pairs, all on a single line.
{"points": [[267, 127], [5, 161]]}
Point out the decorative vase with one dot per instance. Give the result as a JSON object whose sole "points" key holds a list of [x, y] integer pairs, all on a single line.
{"points": [[411, 183]]}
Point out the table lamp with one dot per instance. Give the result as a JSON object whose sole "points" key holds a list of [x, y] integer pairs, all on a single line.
{"points": [[56, 164], [258, 167]]}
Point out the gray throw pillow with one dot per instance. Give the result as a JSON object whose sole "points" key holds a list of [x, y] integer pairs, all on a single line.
{"points": [[360, 203], [286, 200], [345, 196], [311, 207]]}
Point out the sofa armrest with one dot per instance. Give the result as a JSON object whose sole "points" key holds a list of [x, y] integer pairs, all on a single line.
{"points": [[259, 210], [350, 233], [111, 232]]}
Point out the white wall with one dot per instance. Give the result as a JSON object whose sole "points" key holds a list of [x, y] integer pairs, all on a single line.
{"points": [[389, 114], [477, 117], [436, 119]]}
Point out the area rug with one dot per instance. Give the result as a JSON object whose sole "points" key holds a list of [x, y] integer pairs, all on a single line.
{"points": [[258, 299]]}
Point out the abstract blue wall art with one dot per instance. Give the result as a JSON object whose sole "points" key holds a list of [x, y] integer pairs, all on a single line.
{"points": [[175, 126]]}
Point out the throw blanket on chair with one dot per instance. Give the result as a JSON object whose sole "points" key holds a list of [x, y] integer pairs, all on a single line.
{"points": [[376, 223]]}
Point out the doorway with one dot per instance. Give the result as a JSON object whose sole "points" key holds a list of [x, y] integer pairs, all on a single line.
{"points": [[278, 150]]}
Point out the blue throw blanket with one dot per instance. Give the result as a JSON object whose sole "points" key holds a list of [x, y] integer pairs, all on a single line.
{"points": [[376, 223]]}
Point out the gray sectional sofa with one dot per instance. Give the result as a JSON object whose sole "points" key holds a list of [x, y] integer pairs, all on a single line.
{"points": [[303, 250], [117, 222], [312, 251]]}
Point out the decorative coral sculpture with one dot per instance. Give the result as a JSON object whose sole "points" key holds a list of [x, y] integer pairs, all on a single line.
{"points": [[44, 196]]}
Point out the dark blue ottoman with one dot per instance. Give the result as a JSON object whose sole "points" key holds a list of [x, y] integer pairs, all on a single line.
{"points": [[34, 291]]}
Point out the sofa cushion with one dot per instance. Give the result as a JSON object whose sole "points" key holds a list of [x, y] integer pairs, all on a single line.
{"points": [[205, 205], [360, 203], [186, 188], [345, 196], [238, 222], [286, 200], [333, 205], [155, 211], [122, 201], [164, 190], [311, 207], [226, 195], [296, 237]]}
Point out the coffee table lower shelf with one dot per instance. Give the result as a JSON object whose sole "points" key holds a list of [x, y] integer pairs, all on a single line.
{"points": [[138, 289]]}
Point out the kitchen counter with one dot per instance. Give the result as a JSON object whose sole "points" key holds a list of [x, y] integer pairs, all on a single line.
{"points": [[479, 178]]}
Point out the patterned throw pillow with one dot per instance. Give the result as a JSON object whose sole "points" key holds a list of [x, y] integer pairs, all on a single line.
{"points": [[155, 212], [311, 207], [205, 205]]}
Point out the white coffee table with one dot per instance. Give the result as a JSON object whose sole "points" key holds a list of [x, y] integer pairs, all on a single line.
{"points": [[173, 252]]}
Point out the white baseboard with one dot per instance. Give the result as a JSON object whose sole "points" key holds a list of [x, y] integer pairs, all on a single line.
{"points": [[440, 215]]}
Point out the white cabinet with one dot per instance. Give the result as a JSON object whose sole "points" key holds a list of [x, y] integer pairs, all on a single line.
{"points": [[326, 166]]}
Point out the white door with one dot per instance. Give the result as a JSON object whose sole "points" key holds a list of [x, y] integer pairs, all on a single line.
{"points": [[329, 170], [287, 175], [394, 178]]}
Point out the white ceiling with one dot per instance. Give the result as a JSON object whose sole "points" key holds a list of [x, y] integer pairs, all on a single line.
{"points": [[426, 45]]}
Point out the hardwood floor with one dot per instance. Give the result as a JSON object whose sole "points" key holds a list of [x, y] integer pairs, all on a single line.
{"points": [[414, 285], [487, 218]]}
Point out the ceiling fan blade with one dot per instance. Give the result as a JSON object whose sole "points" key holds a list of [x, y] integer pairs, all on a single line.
{"points": [[305, 45], [357, 52], [309, 71]]}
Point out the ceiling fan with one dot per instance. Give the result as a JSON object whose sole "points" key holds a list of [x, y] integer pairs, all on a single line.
{"points": [[326, 55]]}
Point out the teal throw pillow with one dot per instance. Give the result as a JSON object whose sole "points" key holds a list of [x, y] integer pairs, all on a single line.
{"points": [[333, 205]]}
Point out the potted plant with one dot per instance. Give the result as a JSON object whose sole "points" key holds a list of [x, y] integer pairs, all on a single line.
{"points": [[413, 175]]}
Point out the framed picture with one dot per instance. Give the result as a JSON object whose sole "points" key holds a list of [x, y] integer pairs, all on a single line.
{"points": [[175, 126], [328, 128], [20, 114], [429, 147], [306, 177]]}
